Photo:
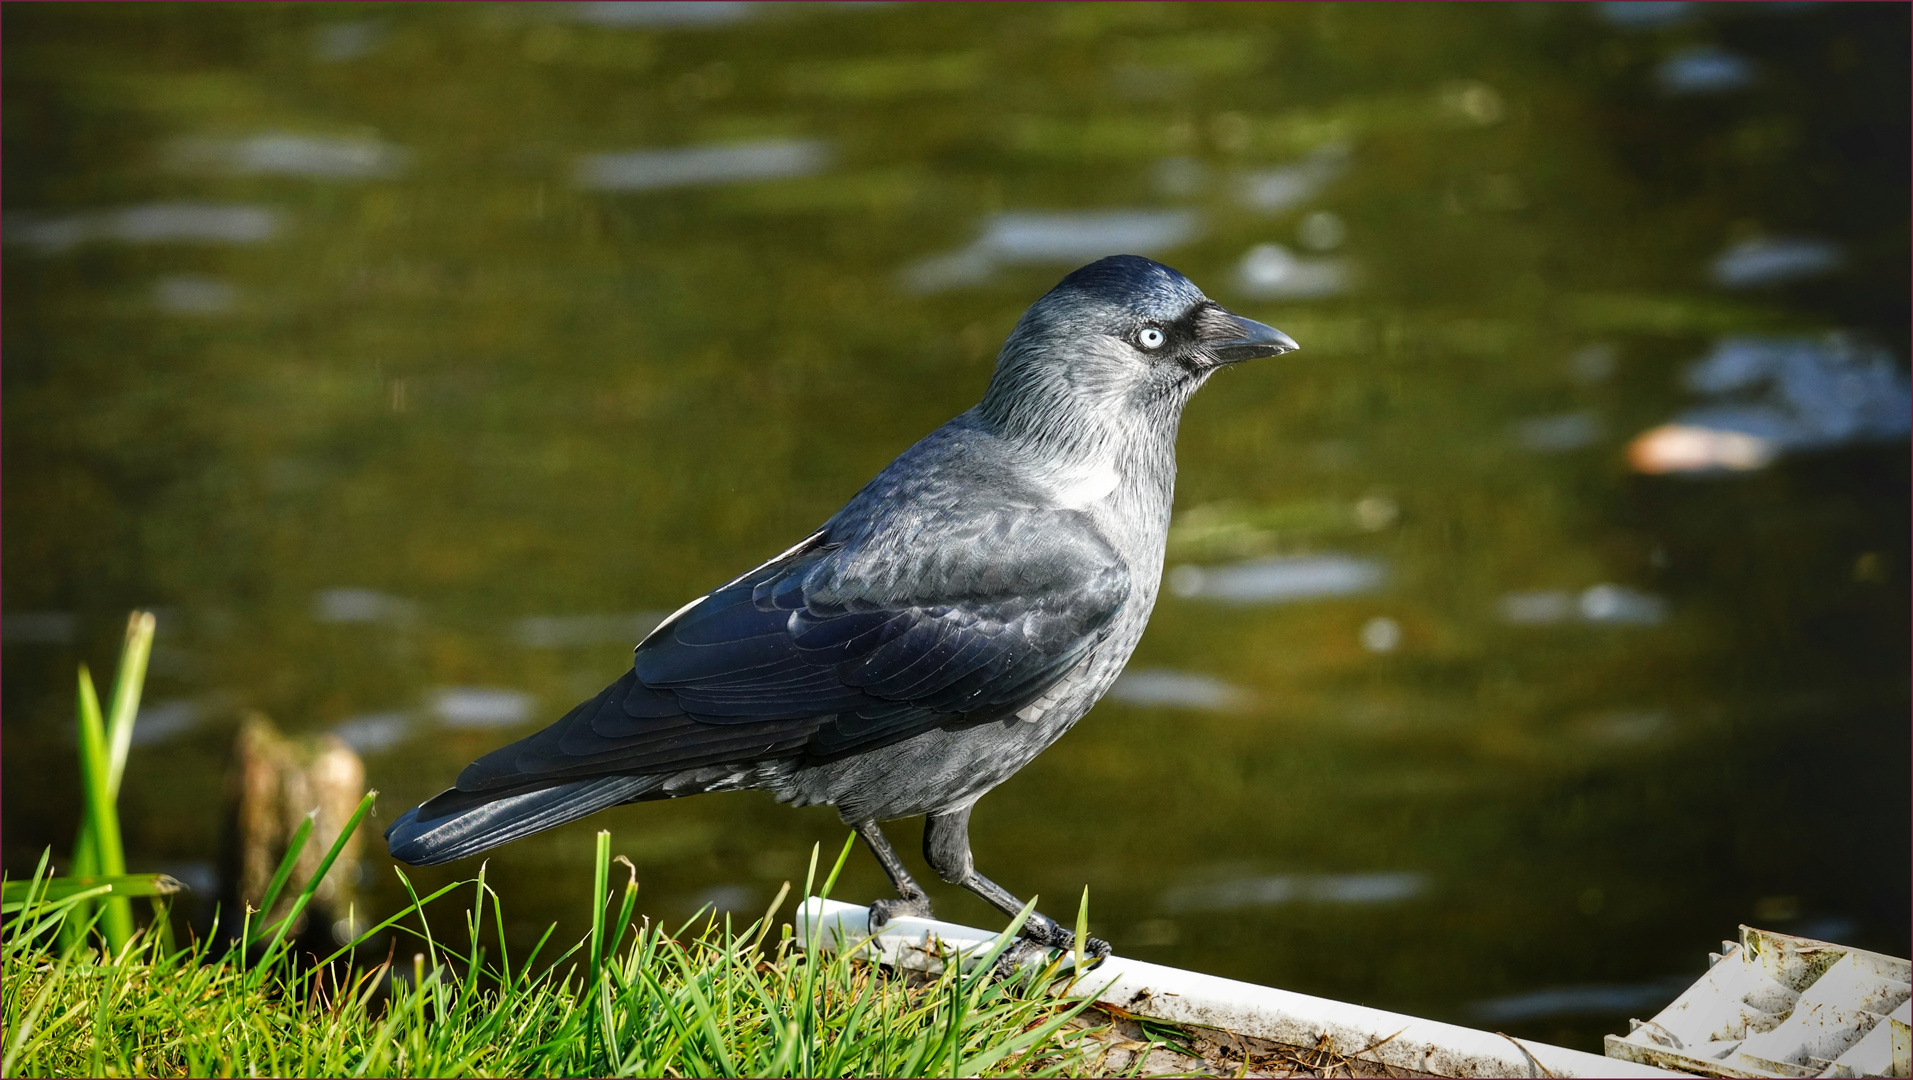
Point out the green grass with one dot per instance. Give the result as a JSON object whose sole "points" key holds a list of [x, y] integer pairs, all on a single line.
{"points": [[85, 992], [631, 999]]}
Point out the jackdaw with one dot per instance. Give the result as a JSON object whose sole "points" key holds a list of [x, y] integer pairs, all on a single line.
{"points": [[957, 616]]}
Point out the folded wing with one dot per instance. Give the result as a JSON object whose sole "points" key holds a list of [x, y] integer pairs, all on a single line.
{"points": [[839, 646]]}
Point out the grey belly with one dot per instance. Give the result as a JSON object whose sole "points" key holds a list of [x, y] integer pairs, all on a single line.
{"points": [[948, 769]]}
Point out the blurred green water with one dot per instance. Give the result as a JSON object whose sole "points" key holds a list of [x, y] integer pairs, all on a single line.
{"points": [[384, 394]]}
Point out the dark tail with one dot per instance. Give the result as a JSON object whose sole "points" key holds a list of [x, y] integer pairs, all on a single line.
{"points": [[454, 823]]}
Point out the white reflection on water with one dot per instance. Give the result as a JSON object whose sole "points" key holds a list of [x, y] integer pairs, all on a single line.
{"points": [[1061, 237], [481, 707], [1079, 236], [194, 294], [374, 732], [1645, 14], [154, 223], [1599, 999], [1381, 634], [1606, 603], [1280, 889], [1537, 608], [554, 631], [661, 13], [1273, 272], [361, 606], [284, 154], [701, 166], [1273, 191], [1163, 688], [1704, 69], [1279, 580], [1775, 260], [1773, 395]]}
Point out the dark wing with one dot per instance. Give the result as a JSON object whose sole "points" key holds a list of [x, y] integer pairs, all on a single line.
{"points": [[842, 646]]}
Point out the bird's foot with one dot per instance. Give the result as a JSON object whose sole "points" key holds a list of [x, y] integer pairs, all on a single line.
{"points": [[1047, 932], [1031, 951], [882, 911], [1020, 958], [1024, 957]]}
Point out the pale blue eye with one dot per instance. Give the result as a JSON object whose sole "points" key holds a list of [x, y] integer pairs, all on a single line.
{"points": [[1150, 338]]}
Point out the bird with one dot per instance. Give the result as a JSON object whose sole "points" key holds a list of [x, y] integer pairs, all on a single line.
{"points": [[957, 616]]}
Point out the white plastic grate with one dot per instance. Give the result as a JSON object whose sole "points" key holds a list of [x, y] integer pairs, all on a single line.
{"points": [[1774, 1005]]}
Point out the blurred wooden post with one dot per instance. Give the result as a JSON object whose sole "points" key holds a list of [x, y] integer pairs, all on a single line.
{"points": [[275, 782]]}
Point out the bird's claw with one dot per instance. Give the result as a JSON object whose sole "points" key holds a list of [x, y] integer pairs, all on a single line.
{"points": [[1020, 958], [882, 911], [1025, 955]]}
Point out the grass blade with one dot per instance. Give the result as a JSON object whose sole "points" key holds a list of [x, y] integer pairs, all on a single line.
{"points": [[294, 848], [18, 894], [117, 739], [128, 682], [600, 878], [312, 885], [102, 816], [1082, 928]]}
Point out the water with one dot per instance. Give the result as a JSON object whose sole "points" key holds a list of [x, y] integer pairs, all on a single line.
{"points": [[412, 361]]}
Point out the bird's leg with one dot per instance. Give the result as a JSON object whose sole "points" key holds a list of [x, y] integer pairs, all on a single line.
{"points": [[946, 845], [913, 900]]}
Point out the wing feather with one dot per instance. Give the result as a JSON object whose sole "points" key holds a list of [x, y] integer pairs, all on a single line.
{"points": [[839, 645]]}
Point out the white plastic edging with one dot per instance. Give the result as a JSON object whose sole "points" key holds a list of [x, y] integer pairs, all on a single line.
{"points": [[1188, 997]]}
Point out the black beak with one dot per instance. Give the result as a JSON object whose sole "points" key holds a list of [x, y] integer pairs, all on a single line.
{"points": [[1233, 339]]}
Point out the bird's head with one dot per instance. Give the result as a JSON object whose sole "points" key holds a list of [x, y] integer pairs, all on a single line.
{"points": [[1117, 345]]}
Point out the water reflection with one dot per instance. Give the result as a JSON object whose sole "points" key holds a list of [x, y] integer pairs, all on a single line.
{"points": [[1273, 272], [1381, 634], [1770, 396], [1274, 191], [1280, 580], [482, 707], [284, 154], [1646, 14], [661, 13], [194, 294], [1164, 688], [1765, 261], [1604, 603], [699, 166], [362, 606], [1274, 890], [1704, 69], [156, 223], [376, 732], [1014, 238], [162, 721]]}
